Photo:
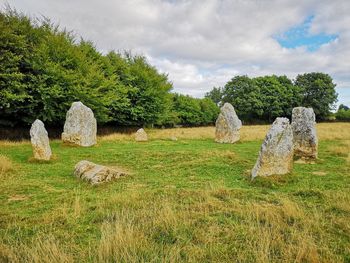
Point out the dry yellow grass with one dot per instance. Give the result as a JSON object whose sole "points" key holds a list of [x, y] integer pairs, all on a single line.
{"points": [[326, 131], [5, 165], [342, 149]]}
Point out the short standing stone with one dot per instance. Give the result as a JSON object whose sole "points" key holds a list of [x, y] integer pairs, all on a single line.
{"points": [[227, 125], [80, 127], [304, 133], [141, 135], [96, 174], [40, 141], [276, 153]]}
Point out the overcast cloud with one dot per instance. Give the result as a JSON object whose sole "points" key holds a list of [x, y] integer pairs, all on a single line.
{"points": [[204, 43]]}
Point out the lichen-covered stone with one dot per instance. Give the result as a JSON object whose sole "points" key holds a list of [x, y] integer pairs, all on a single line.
{"points": [[276, 153], [141, 135], [304, 133], [95, 173], [40, 141], [80, 127], [227, 125]]}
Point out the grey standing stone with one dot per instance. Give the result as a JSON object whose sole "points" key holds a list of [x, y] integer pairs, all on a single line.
{"points": [[276, 152], [141, 135], [304, 133], [40, 141], [227, 125], [80, 127], [95, 173]]}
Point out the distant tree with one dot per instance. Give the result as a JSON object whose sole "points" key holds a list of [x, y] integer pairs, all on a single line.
{"points": [[318, 91], [215, 95], [343, 107], [277, 96], [194, 111], [243, 94], [209, 111]]}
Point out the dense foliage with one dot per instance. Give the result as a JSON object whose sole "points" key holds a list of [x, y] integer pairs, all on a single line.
{"points": [[44, 69], [268, 97], [343, 113]]}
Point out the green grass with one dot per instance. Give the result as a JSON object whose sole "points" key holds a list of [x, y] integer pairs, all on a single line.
{"points": [[185, 201]]}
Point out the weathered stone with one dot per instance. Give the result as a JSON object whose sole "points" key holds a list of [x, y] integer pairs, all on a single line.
{"points": [[141, 135], [95, 173], [40, 141], [80, 127], [304, 133], [227, 125], [276, 153]]}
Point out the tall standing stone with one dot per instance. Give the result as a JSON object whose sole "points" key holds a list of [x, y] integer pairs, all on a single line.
{"points": [[276, 153], [227, 125], [304, 133], [141, 135], [40, 141], [80, 127]]}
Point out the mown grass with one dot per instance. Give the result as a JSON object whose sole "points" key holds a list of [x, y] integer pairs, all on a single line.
{"points": [[189, 200]]}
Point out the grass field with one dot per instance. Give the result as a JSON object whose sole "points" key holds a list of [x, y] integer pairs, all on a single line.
{"points": [[189, 200]]}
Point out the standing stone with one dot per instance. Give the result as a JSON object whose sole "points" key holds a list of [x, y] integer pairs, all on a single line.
{"points": [[95, 173], [276, 153], [141, 135], [227, 125], [40, 141], [80, 127], [304, 133]]}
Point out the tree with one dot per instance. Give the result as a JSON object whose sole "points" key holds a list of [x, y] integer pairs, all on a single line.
{"points": [[215, 95], [343, 107], [318, 92]]}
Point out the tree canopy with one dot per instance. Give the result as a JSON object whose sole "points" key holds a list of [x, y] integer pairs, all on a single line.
{"points": [[265, 98], [44, 69]]}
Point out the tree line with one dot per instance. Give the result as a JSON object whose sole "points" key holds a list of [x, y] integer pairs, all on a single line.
{"points": [[43, 69], [262, 99]]}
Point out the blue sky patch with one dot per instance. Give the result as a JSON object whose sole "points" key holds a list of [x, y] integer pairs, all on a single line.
{"points": [[300, 36]]}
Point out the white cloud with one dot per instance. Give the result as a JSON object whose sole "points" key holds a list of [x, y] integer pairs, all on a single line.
{"points": [[203, 43]]}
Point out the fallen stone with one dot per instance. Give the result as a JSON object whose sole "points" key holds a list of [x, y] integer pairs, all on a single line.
{"points": [[227, 125], [40, 141], [304, 133], [141, 135], [95, 173], [80, 127], [276, 153]]}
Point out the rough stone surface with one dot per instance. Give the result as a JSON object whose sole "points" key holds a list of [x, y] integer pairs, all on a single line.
{"points": [[40, 141], [80, 127], [227, 125], [276, 153], [304, 133], [95, 173], [141, 135]]}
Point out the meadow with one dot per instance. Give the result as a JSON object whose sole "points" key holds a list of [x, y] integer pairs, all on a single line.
{"points": [[190, 200]]}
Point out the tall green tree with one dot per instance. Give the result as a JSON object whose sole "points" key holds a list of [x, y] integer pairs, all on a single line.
{"points": [[318, 91], [215, 95]]}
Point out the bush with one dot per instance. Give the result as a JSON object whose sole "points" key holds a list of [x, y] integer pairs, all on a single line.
{"points": [[343, 115]]}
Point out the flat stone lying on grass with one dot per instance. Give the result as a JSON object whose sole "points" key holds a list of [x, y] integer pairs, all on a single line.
{"points": [[304, 133], [80, 127], [95, 173], [276, 153], [227, 125], [40, 141], [141, 135]]}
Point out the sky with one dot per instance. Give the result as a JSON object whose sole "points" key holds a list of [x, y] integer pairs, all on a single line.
{"points": [[204, 43]]}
